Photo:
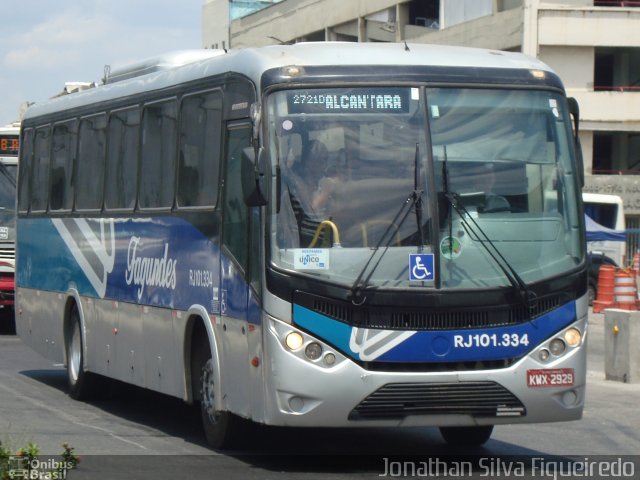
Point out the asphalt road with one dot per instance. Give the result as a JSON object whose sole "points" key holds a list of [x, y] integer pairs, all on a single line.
{"points": [[132, 433]]}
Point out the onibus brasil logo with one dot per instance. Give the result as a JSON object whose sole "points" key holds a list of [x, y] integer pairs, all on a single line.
{"points": [[20, 467]]}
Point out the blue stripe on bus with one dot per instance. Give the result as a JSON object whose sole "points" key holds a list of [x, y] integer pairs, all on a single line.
{"points": [[496, 343], [161, 261]]}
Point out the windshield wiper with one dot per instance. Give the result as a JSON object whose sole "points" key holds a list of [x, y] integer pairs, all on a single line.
{"points": [[417, 192], [413, 200], [527, 296], [362, 281], [445, 181]]}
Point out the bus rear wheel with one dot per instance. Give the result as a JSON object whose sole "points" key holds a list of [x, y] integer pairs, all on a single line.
{"points": [[81, 383], [466, 436]]}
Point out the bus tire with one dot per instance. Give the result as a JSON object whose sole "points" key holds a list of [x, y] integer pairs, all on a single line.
{"points": [[81, 383], [466, 436], [592, 292], [222, 429]]}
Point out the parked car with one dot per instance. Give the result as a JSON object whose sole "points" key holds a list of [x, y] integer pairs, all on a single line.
{"points": [[596, 260]]}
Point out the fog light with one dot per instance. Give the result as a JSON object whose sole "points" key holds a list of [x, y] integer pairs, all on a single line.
{"points": [[572, 337], [570, 398], [296, 404], [329, 359], [543, 354], [293, 341], [557, 346], [313, 351]]}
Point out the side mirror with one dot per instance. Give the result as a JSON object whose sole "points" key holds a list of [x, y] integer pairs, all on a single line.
{"points": [[253, 176], [574, 110]]}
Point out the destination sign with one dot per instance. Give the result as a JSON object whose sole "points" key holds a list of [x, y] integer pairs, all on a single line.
{"points": [[349, 100], [9, 145]]}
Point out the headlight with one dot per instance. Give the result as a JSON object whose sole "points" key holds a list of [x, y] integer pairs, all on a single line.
{"points": [[557, 346], [543, 354], [293, 341], [573, 337], [313, 351]]}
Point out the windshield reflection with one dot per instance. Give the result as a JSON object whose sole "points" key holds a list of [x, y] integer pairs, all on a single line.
{"points": [[351, 171], [346, 170]]}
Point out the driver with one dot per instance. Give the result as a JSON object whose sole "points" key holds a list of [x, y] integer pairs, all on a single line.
{"points": [[308, 188]]}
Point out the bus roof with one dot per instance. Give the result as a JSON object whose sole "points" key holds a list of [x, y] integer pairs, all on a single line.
{"points": [[253, 62], [601, 198]]}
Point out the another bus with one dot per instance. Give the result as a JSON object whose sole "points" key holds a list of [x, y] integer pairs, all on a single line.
{"points": [[162, 242], [607, 211], [9, 147]]}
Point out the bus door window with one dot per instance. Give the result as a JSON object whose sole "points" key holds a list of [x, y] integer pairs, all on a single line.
{"points": [[235, 225], [63, 157]]}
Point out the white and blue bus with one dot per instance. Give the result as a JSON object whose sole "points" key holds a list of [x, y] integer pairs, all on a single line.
{"points": [[9, 148], [163, 241]]}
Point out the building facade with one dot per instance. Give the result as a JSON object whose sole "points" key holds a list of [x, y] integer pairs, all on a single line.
{"points": [[594, 45]]}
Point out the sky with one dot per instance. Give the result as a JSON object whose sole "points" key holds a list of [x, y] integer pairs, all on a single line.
{"points": [[45, 43]]}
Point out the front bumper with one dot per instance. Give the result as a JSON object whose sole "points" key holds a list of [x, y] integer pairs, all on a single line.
{"points": [[305, 393]]}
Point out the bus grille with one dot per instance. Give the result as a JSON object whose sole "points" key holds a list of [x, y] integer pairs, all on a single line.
{"points": [[478, 399], [412, 318], [7, 253]]}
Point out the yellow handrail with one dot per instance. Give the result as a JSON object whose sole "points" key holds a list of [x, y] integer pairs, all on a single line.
{"points": [[323, 225]]}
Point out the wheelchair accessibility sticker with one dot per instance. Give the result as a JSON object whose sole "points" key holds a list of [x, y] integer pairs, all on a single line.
{"points": [[421, 266]]}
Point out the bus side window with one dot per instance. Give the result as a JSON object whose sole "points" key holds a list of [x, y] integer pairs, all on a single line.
{"points": [[63, 156], [40, 171], [25, 166], [122, 159], [157, 169], [90, 165], [199, 157]]}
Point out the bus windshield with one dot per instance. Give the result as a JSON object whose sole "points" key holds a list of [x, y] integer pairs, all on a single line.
{"points": [[7, 201], [450, 172], [9, 145]]}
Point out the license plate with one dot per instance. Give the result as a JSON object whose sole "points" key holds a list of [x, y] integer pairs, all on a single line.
{"points": [[550, 377]]}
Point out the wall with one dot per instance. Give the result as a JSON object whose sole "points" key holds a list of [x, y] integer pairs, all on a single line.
{"points": [[502, 31], [293, 19], [215, 23], [574, 65], [453, 12]]}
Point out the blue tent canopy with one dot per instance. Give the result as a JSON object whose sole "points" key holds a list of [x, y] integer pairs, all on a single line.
{"points": [[598, 233]]}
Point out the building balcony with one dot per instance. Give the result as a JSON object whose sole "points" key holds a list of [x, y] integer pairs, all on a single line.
{"points": [[589, 26]]}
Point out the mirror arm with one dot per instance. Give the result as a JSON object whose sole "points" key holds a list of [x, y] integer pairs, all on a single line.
{"points": [[574, 110]]}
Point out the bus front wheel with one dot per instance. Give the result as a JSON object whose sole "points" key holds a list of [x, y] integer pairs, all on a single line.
{"points": [[466, 436], [221, 428]]}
